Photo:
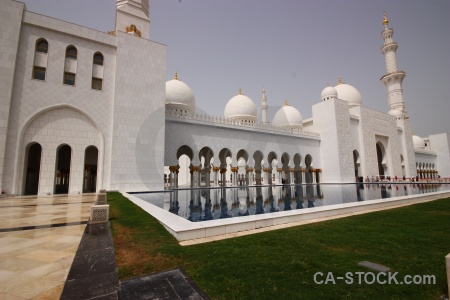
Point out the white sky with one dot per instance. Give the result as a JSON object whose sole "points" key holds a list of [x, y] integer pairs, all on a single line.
{"points": [[294, 48]]}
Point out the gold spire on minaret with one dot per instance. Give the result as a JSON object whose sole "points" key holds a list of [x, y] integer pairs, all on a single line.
{"points": [[286, 103], [340, 80], [263, 91], [176, 76], [385, 20], [240, 91]]}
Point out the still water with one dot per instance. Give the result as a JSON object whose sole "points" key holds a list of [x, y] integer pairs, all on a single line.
{"points": [[218, 203]]}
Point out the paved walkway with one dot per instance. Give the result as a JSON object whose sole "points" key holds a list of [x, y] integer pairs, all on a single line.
{"points": [[39, 237]]}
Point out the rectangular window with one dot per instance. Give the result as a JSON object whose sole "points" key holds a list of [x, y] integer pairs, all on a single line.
{"points": [[39, 73], [69, 78], [97, 83]]}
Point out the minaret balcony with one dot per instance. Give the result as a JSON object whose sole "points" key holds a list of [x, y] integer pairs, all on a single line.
{"points": [[397, 75], [389, 47]]}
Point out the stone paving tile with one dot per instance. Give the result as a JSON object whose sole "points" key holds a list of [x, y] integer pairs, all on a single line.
{"points": [[34, 263]]}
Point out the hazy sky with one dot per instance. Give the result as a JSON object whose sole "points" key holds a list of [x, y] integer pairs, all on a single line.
{"points": [[294, 48]]}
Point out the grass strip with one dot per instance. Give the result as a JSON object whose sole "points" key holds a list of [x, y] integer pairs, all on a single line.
{"points": [[411, 240]]}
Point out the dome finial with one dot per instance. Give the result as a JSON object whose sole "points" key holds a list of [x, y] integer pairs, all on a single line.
{"points": [[286, 103], [385, 20], [176, 76], [340, 80], [263, 91], [240, 91]]}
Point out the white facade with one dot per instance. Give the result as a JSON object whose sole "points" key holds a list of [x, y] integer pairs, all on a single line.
{"points": [[83, 110]]}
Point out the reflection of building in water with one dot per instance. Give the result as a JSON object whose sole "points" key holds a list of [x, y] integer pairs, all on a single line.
{"points": [[202, 205], [84, 110]]}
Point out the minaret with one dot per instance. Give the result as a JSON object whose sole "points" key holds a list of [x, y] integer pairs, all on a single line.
{"points": [[132, 16], [393, 78], [263, 107]]}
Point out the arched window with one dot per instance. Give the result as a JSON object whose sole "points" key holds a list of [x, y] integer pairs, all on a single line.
{"points": [[42, 46], [98, 59], [40, 59], [97, 72], [71, 52]]}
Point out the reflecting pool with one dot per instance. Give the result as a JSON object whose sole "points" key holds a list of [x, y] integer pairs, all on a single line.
{"points": [[219, 203]]}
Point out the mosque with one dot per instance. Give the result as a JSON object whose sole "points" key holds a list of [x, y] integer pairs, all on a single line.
{"points": [[82, 111]]}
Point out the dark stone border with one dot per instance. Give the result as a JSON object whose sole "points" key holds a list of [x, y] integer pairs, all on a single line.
{"points": [[172, 284], [93, 274]]}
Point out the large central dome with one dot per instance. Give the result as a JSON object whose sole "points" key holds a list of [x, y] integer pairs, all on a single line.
{"points": [[348, 93], [241, 107]]}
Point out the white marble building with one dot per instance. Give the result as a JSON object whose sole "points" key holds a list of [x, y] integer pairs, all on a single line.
{"points": [[81, 110]]}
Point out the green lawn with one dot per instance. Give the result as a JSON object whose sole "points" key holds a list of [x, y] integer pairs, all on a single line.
{"points": [[281, 264]]}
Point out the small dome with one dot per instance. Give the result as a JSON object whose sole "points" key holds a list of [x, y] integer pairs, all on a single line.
{"points": [[418, 142], [241, 107], [328, 93], [179, 95], [396, 113], [348, 93], [288, 116]]}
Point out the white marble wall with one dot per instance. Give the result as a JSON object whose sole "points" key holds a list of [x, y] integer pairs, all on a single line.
{"points": [[197, 135], [441, 145], [378, 126], [332, 122], [32, 98], [137, 162], [10, 25]]}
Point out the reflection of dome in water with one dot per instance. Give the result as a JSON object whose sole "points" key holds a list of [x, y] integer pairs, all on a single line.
{"points": [[288, 116], [348, 93], [418, 142], [179, 95], [241, 107]]}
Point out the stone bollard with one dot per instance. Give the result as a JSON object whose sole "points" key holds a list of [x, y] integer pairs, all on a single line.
{"points": [[447, 263], [99, 214], [100, 210], [101, 197]]}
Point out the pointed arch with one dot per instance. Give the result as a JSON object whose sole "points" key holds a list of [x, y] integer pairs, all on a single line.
{"points": [[381, 158], [90, 169], [25, 136], [62, 172], [33, 154]]}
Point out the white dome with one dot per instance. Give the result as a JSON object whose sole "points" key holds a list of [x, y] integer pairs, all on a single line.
{"points": [[288, 116], [179, 95], [396, 113], [348, 93], [241, 107], [328, 93], [418, 142]]}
